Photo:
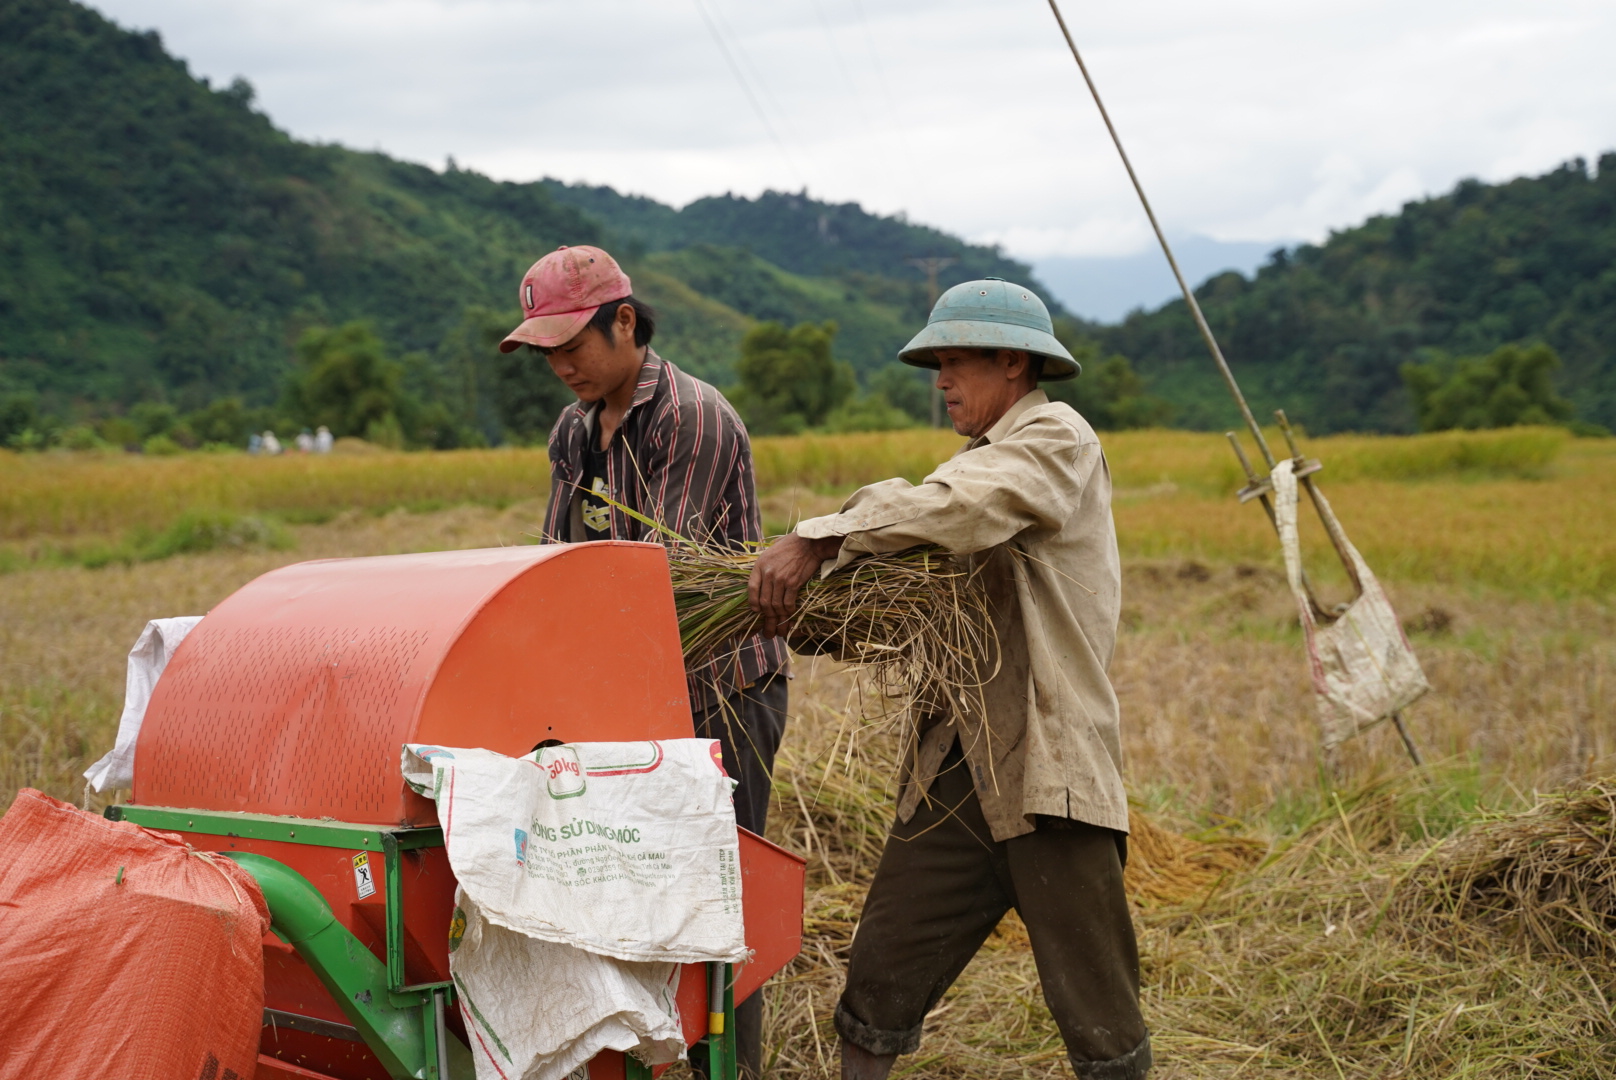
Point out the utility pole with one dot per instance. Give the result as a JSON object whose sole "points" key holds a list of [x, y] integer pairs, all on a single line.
{"points": [[930, 265]]}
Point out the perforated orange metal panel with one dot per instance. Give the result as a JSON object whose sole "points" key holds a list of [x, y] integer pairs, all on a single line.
{"points": [[295, 695]]}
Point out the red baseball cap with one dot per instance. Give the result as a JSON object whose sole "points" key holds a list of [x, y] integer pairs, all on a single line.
{"points": [[562, 291]]}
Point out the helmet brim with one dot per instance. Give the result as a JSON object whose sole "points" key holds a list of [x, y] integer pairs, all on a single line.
{"points": [[970, 334]]}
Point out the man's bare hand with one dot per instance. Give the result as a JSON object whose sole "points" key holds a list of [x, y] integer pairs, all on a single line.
{"points": [[782, 569]]}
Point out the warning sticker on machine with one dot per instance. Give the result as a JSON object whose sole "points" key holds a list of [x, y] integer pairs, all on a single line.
{"points": [[361, 875]]}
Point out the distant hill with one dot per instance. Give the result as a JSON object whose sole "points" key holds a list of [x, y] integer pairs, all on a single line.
{"points": [[1322, 330], [794, 232], [160, 239]]}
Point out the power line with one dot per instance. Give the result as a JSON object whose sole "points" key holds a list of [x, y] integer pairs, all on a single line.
{"points": [[746, 88], [841, 64], [743, 56], [1167, 249], [875, 59], [897, 163]]}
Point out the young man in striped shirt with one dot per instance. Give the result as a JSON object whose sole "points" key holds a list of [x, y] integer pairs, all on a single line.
{"points": [[649, 437]]}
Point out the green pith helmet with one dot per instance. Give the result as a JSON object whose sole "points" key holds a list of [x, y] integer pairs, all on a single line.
{"points": [[991, 314]]}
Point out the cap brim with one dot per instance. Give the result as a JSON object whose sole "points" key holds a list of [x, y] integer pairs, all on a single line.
{"points": [[548, 331], [951, 334]]}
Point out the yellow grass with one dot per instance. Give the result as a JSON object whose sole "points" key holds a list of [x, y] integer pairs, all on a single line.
{"points": [[1526, 511], [1218, 729], [61, 494], [1281, 975]]}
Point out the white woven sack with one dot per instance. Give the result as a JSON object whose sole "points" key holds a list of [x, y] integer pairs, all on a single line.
{"points": [[535, 1010], [626, 849], [1362, 665], [147, 660]]}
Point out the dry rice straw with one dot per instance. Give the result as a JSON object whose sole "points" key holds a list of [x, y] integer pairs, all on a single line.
{"points": [[916, 621]]}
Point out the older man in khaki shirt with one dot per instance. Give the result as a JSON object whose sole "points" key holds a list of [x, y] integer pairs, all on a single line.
{"points": [[1024, 808]]}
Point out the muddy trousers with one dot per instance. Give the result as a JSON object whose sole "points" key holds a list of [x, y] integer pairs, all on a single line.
{"points": [[943, 885], [749, 724]]}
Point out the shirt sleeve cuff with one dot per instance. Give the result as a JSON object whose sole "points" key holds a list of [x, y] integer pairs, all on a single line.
{"points": [[821, 527]]}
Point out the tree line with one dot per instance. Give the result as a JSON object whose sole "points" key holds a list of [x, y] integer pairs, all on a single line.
{"points": [[786, 380], [1329, 331]]}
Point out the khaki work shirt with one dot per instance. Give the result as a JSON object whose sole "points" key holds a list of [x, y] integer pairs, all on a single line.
{"points": [[1029, 504]]}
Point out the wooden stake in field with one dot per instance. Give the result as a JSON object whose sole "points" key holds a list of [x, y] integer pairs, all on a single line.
{"points": [[1363, 667]]}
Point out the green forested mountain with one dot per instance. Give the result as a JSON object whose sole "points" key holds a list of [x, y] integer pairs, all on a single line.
{"points": [[161, 240], [794, 232], [162, 243], [1323, 330]]}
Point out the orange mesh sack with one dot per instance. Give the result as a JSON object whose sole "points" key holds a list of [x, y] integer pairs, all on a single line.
{"points": [[123, 952]]}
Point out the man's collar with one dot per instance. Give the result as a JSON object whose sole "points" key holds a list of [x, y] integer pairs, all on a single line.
{"points": [[650, 375], [644, 389], [1007, 421]]}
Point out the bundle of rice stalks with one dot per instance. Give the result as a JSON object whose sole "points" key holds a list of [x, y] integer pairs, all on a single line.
{"points": [[1167, 868], [916, 620], [1545, 878]]}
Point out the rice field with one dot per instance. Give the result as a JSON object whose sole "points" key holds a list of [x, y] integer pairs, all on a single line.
{"points": [[1280, 937], [1528, 511]]}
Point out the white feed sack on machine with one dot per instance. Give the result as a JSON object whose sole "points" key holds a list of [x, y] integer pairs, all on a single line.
{"points": [[622, 849], [588, 872], [151, 653], [535, 1010]]}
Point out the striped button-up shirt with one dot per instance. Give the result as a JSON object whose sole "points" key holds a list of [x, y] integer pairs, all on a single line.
{"points": [[681, 457]]}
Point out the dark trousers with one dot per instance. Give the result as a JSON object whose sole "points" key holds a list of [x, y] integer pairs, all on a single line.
{"points": [[943, 885], [749, 725]]}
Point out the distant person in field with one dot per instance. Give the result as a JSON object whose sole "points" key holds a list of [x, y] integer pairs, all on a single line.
{"points": [[323, 440], [647, 436], [1021, 806]]}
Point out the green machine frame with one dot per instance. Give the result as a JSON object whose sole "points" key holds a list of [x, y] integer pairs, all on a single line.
{"points": [[402, 1024]]}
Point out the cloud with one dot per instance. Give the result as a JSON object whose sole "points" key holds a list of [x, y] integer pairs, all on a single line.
{"points": [[1247, 120]]}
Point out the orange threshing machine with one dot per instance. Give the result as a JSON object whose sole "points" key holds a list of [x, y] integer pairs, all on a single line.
{"points": [[275, 735]]}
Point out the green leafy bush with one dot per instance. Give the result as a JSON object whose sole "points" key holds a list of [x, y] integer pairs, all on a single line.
{"points": [[192, 533], [345, 381], [19, 415], [161, 446], [82, 437], [1111, 396], [869, 413], [1511, 386], [789, 379], [904, 387], [208, 530]]}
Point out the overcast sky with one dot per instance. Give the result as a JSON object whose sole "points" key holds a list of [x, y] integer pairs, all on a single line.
{"points": [[1249, 120]]}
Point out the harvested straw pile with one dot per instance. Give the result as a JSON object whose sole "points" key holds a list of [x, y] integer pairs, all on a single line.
{"points": [[1545, 880], [1167, 868], [1292, 970], [915, 620]]}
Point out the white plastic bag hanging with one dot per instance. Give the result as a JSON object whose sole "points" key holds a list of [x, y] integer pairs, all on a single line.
{"points": [[151, 654], [1362, 665]]}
